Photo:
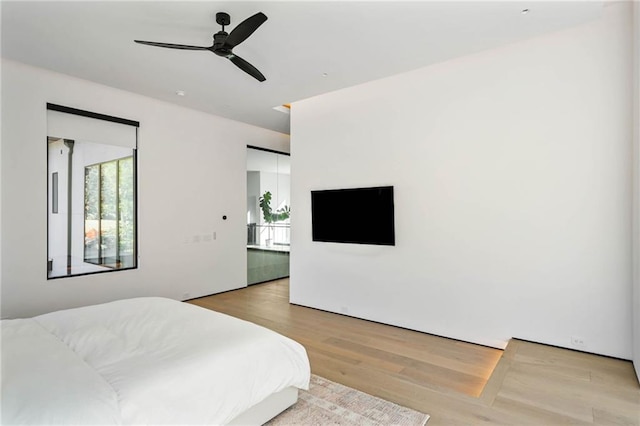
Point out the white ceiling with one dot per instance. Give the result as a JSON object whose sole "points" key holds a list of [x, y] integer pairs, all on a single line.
{"points": [[353, 42]]}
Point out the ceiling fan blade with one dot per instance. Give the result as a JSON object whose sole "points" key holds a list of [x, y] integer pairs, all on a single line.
{"points": [[247, 67], [171, 46], [244, 29]]}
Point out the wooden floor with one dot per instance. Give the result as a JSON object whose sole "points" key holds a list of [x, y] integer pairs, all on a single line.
{"points": [[455, 382]]}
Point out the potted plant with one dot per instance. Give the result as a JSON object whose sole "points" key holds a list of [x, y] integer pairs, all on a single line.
{"points": [[270, 216]]}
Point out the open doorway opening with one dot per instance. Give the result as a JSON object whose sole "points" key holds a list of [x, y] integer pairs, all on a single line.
{"points": [[268, 215]]}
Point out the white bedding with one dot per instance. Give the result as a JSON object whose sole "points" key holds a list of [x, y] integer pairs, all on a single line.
{"points": [[142, 361]]}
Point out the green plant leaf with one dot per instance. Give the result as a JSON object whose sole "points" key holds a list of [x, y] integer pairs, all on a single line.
{"points": [[267, 213]]}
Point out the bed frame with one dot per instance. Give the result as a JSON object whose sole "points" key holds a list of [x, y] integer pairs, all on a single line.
{"points": [[264, 411]]}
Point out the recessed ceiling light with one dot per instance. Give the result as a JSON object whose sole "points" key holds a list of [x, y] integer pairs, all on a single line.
{"points": [[180, 92], [524, 11]]}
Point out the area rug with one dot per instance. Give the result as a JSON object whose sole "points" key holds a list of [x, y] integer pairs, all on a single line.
{"points": [[330, 403]]}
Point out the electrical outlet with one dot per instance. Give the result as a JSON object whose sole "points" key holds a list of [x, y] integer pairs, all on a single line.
{"points": [[578, 341]]}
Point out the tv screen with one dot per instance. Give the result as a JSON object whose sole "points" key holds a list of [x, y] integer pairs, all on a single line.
{"points": [[356, 215]]}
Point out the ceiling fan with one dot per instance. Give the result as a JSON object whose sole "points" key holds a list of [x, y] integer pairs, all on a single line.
{"points": [[224, 43]]}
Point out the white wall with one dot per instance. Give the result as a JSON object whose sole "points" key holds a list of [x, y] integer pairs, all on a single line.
{"points": [[512, 176], [636, 188], [1, 174], [58, 159], [191, 172], [253, 195]]}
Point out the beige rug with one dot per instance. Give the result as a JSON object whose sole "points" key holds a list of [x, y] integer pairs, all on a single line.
{"points": [[330, 403]]}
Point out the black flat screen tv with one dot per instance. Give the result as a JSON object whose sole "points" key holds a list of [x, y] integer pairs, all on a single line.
{"points": [[355, 215]]}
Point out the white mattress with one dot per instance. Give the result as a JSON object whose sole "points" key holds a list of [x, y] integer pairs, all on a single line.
{"points": [[142, 361]]}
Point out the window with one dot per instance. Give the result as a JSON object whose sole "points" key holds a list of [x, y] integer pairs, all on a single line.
{"points": [[92, 192], [109, 214]]}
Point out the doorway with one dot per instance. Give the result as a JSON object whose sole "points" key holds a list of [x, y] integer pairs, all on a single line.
{"points": [[268, 214]]}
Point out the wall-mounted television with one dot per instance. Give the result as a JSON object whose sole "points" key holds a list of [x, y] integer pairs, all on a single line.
{"points": [[354, 215]]}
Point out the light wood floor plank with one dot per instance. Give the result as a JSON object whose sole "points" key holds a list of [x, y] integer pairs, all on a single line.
{"points": [[457, 383]]}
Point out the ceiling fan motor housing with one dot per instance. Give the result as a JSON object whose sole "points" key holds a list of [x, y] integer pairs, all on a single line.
{"points": [[218, 44]]}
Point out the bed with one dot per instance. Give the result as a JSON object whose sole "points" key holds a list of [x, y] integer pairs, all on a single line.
{"points": [[146, 361]]}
